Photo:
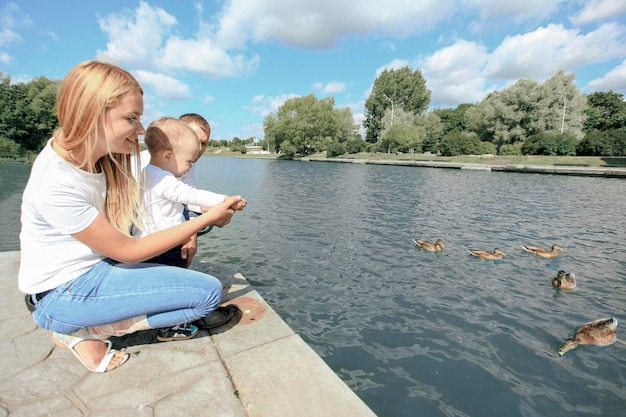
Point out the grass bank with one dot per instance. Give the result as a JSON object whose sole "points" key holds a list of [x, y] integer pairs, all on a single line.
{"points": [[590, 161]]}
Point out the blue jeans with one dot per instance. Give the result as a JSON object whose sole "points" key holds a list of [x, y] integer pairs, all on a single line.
{"points": [[112, 292]]}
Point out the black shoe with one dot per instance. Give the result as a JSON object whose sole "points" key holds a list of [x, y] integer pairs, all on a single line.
{"points": [[180, 332], [219, 317], [28, 299]]}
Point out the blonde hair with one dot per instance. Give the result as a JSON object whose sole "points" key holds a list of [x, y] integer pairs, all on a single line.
{"points": [[196, 119], [165, 133], [88, 91]]}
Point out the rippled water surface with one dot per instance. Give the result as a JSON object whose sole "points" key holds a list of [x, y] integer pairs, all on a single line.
{"points": [[329, 246]]}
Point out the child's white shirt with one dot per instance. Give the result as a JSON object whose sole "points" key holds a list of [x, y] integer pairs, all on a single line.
{"points": [[163, 197]]}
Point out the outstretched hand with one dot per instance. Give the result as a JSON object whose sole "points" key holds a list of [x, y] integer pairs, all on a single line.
{"points": [[236, 202]]}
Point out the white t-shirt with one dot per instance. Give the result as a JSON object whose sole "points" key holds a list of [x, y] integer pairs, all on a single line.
{"points": [[58, 201], [163, 197], [145, 160]]}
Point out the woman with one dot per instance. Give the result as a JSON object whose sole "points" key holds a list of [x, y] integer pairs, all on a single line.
{"points": [[78, 260]]}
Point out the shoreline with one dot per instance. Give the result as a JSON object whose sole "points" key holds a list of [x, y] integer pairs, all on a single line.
{"points": [[594, 171]]}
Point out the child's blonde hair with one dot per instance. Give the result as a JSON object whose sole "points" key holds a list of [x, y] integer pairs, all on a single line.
{"points": [[88, 91], [165, 133]]}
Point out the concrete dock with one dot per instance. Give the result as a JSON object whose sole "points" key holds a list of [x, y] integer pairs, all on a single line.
{"points": [[257, 367]]}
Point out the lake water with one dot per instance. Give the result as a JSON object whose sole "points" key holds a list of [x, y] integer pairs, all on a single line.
{"points": [[414, 333]]}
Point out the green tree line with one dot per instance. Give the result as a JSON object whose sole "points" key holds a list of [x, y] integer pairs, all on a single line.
{"points": [[529, 117], [28, 118], [27, 115]]}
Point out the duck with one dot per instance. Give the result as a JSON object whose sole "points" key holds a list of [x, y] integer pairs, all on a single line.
{"points": [[601, 332], [483, 254], [544, 253], [436, 246], [564, 280]]}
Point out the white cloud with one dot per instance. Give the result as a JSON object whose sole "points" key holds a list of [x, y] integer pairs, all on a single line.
{"points": [[320, 24], [516, 9], [53, 36], [7, 36], [596, 10], [12, 16], [4, 58], [393, 65], [136, 36], [163, 86], [142, 38], [541, 53], [262, 105], [613, 80], [333, 87], [389, 45], [454, 74], [204, 57], [252, 130]]}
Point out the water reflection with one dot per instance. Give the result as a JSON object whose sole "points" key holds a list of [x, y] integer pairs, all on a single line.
{"points": [[330, 247]]}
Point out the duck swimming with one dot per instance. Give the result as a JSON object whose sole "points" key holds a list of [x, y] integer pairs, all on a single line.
{"points": [[483, 254], [601, 332], [564, 280], [544, 253], [437, 246]]}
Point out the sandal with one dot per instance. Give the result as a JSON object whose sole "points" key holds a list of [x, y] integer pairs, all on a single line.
{"points": [[57, 338], [179, 332], [219, 317]]}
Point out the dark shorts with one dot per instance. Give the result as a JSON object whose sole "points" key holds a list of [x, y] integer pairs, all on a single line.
{"points": [[171, 257]]}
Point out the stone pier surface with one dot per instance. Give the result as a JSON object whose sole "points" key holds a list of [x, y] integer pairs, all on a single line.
{"points": [[257, 367]]}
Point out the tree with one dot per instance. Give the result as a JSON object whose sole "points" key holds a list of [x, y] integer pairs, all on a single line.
{"points": [[562, 107], [550, 143], [398, 116], [347, 128], [528, 108], [28, 112], [355, 145], [305, 125], [335, 149], [603, 143], [453, 120], [401, 137], [394, 89], [506, 117], [460, 143], [430, 130], [605, 111]]}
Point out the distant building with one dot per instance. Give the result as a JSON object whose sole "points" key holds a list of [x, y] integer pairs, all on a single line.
{"points": [[255, 149]]}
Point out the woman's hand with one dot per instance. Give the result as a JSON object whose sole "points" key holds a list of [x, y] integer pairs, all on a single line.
{"points": [[223, 214]]}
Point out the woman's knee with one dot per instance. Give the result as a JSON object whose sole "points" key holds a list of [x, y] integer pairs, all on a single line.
{"points": [[212, 295]]}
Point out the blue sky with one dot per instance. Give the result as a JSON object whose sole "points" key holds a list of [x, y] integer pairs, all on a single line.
{"points": [[236, 61]]}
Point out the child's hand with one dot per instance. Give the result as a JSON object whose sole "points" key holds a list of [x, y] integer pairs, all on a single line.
{"points": [[236, 203]]}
